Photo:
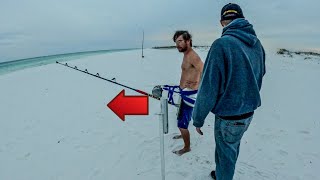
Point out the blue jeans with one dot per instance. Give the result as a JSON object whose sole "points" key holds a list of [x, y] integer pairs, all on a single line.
{"points": [[228, 134]]}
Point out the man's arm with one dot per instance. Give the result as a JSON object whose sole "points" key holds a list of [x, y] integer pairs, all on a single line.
{"points": [[197, 63], [211, 81]]}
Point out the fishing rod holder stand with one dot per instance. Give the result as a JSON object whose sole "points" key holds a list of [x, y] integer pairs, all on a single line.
{"points": [[163, 129]]}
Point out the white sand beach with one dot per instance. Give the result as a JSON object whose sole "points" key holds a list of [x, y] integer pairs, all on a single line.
{"points": [[55, 125]]}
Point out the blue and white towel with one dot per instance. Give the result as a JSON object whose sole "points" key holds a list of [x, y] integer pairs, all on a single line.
{"points": [[189, 96], [175, 92]]}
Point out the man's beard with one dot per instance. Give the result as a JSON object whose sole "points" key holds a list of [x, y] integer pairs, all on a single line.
{"points": [[183, 49]]}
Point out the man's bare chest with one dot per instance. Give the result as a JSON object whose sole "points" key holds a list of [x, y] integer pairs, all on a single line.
{"points": [[186, 65]]}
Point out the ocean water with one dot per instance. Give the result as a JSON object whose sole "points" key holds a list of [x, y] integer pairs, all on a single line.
{"points": [[11, 66]]}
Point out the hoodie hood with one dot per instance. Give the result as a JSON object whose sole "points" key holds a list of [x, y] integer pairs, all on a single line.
{"points": [[241, 29]]}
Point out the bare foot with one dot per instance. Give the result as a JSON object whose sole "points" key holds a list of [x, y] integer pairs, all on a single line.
{"points": [[182, 151], [177, 137]]}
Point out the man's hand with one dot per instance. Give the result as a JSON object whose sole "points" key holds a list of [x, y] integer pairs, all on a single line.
{"points": [[199, 131]]}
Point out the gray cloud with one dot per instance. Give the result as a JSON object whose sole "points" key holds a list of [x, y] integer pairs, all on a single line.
{"points": [[42, 27]]}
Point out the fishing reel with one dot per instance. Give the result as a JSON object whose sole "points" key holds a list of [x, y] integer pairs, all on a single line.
{"points": [[157, 91]]}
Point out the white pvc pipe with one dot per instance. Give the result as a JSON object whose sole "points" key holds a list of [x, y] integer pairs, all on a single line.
{"points": [[163, 128]]}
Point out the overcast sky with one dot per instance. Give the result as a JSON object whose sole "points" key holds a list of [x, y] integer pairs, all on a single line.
{"points": [[30, 28]]}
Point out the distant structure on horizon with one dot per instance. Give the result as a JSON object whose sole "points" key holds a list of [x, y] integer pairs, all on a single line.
{"points": [[173, 47], [142, 43]]}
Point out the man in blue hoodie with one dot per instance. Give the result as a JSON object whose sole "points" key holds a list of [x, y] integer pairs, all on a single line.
{"points": [[230, 87]]}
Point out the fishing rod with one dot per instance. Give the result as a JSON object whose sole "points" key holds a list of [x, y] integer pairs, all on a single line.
{"points": [[98, 76]]}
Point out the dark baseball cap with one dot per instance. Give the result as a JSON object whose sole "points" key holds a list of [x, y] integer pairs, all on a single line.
{"points": [[231, 11]]}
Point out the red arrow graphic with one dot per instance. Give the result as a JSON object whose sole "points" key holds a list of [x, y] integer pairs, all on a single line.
{"points": [[123, 105]]}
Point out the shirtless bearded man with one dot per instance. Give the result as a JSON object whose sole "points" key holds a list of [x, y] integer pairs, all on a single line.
{"points": [[190, 77]]}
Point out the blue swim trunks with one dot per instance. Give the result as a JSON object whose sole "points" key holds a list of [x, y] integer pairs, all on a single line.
{"points": [[184, 115]]}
